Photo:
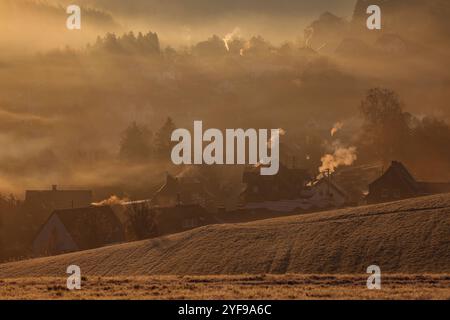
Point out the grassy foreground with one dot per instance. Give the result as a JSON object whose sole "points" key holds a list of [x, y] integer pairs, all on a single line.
{"points": [[289, 286]]}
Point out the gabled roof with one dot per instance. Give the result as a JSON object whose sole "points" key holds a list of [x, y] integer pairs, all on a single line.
{"points": [[404, 173], [91, 227], [332, 185], [399, 171], [58, 198], [186, 187]]}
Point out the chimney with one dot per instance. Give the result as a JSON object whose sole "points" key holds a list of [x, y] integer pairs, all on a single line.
{"points": [[54, 187], [328, 177]]}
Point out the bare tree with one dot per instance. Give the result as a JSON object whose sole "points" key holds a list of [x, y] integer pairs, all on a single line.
{"points": [[386, 126], [143, 221]]}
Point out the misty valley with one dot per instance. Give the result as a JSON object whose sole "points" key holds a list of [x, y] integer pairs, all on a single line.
{"points": [[231, 150], [220, 145]]}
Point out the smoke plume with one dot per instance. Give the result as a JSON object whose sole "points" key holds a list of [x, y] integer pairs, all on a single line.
{"points": [[230, 36], [340, 157], [113, 200], [337, 126]]}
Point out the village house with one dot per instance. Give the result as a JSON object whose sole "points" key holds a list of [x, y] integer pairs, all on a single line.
{"points": [[397, 183], [288, 184], [318, 195], [78, 229], [143, 220], [41, 203], [91, 227], [355, 180], [57, 199], [326, 193], [292, 190], [183, 191]]}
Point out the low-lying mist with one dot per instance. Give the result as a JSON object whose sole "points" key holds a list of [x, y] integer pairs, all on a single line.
{"points": [[64, 110]]}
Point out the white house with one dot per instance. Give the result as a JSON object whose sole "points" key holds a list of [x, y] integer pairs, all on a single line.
{"points": [[324, 193]]}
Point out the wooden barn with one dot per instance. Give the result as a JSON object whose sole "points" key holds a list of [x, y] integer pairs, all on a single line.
{"points": [[78, 229], [398, 183]]}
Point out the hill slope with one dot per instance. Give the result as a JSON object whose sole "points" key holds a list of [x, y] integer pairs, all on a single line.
{"points": [[411, 236]]}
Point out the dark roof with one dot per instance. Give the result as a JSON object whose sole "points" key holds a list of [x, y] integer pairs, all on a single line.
{"points": [[399, 171], [91, 227], [286, 184], [404, 174], [188, 188], [333, 185], [58, 198]]}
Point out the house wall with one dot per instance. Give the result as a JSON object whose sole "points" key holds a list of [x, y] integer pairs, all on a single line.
{"points": [[389, 188], [270, 188], [287, 184], [53, 238], [324, 196]]}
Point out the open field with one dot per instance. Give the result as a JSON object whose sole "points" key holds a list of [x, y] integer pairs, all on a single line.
{"points": [[314, 256], [231, 287], [411, 236]]}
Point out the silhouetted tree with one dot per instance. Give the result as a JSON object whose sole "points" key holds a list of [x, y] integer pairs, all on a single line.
{"points": [[386, 126], [214, 46], [128, 43], [143, 221], [136, 143], [163, 143], [427, 150], [14, 228]]}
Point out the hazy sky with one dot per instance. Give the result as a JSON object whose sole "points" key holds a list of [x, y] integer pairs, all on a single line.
{"points": [[63, 112], [192, 10], [197, 19], [40, 25]]}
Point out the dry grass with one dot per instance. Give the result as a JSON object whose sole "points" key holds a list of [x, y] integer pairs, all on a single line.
{"points": [[411, 236], [315, 256], [231, 287]]}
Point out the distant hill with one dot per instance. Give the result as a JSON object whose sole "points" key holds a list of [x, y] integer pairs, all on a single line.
{"points": [[411, 236], [407, 25], [41, 25], [415, 20]]}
